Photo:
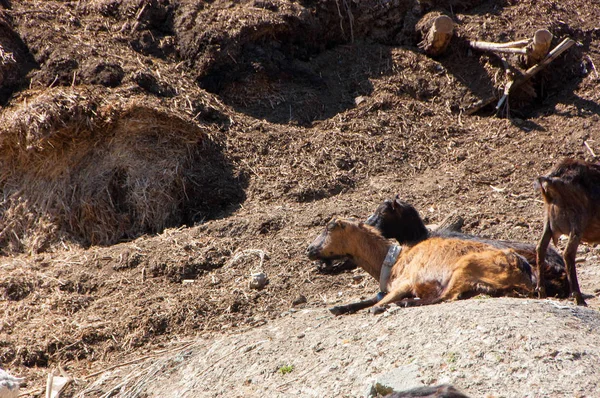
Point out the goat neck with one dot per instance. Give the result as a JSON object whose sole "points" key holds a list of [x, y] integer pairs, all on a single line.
{"points": [[369, 250]]}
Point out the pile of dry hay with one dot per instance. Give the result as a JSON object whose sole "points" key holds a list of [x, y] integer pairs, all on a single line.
{"points": [[93, 166]]}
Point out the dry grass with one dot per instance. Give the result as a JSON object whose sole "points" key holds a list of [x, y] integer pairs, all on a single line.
{"points": [[93, 166]]}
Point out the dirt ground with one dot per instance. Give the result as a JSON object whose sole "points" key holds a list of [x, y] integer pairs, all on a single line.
{"points": [[156, 153]]}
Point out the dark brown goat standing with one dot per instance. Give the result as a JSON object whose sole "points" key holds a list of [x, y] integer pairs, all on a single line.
{"points": [[399, 220], [432, 271], [571, 194]]}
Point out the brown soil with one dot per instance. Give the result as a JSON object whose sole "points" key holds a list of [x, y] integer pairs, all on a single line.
{"points": [[154, 154]]}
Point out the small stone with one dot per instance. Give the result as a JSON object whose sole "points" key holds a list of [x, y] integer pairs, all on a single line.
{"points": [[359, 100], [301, 335], [317, 347], [398, 379], [258, 281], [370, 391], [301, 299]]}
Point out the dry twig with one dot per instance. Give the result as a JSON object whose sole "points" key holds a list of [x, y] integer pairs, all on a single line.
{"points": [[589, 148]]}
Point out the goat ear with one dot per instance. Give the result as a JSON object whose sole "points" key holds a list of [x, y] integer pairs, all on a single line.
{"points": [[335, 223], [537, 184], [332, 223], [547, 186], [546, 183]]}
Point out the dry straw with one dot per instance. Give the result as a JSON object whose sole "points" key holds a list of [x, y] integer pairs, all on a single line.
{"points": [[92, 166]]}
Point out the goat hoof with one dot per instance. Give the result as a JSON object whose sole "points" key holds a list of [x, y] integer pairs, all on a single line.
{"points": [[338, 310], [580, 301], [377, 310]]}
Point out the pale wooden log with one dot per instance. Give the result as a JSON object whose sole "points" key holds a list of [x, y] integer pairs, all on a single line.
{"points": [[539, 47], [514, 47], [486, 45], [438, 37]]}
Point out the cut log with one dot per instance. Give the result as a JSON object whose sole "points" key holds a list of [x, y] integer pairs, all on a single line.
{"points": [[439, 34], [559, 49], [535, 50], [539, 47], [452, 222], [529, 73]]}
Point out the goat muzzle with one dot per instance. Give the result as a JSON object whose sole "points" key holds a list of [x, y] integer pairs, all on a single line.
{"points": [[312, 252]]}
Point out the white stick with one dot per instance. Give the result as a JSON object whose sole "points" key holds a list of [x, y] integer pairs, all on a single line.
{"points": [[589, 149]]}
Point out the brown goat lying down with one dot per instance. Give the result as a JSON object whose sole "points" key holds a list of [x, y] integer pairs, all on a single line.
{"points": [[435, 270], [571, 194], [401, 221]]}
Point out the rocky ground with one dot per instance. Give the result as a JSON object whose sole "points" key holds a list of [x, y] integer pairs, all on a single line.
{"points": [[504, 353]]}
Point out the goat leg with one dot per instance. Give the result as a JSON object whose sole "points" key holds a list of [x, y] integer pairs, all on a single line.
{"points": [[353, 307], [402, 291], [378, 309], [416, 302], [410, 302], [541, 249], [569, 255]]}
